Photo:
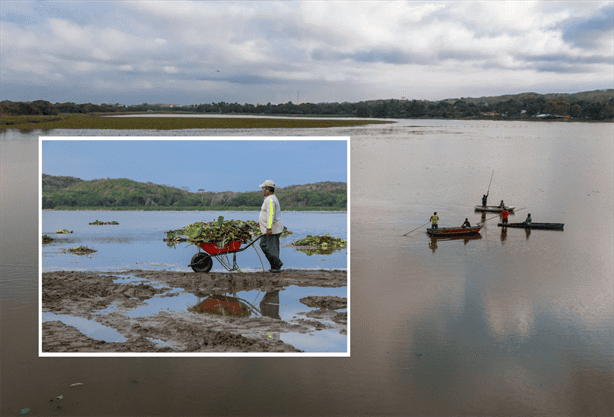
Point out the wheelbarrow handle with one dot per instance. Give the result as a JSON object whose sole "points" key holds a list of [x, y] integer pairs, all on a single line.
{"points": [[250, 243]]}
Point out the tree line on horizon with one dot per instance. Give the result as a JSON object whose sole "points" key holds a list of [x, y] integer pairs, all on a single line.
{"points": [[590, 105], [71, 192]]}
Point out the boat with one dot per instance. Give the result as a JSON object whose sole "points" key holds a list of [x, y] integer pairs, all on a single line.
{"points": [[544, 226], [494, 209], [453, 231]]}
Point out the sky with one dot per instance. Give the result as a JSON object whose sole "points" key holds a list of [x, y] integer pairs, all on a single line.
{"points": [[193, 52], [237, 164]]}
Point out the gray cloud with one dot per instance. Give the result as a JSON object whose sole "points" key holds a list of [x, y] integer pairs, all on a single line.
{"points": [[586, 33], [385, 55]]}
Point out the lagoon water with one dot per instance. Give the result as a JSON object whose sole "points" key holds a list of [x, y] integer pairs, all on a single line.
{"points": [[513, 323], [137, 242]]}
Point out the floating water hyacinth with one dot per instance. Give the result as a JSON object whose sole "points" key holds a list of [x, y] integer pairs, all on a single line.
{"points": [[47, 239], [98, 222], [63, 231], [81, 250], [322, 242]]}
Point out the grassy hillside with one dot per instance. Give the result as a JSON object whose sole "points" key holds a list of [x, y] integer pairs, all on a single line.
{"points": [[128, 194]]}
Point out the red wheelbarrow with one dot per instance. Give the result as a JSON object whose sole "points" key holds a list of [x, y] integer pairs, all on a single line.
{"points": [[203, 262]]}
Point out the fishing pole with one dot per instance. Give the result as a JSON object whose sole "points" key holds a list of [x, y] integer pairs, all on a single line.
{"points": [[416, 228]]}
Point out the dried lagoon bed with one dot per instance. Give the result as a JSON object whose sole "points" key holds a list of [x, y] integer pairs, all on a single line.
{"points": [[86, 294]]}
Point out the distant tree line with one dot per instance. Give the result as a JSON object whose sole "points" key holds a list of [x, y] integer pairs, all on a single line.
{"points": [[598, 105], [125, 193]]}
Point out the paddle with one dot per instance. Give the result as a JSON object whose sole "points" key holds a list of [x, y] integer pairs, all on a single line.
{"points": [[417, 228]]}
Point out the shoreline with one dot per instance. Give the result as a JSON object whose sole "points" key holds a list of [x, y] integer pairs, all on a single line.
{"points": [[85, 294], [255, 210]]}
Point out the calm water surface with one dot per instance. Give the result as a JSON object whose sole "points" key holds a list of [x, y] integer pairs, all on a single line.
{"points": [[137, 242], [512, 323]]}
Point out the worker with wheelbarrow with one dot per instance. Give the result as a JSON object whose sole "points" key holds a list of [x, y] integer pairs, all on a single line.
{"points": [[270, 225]]}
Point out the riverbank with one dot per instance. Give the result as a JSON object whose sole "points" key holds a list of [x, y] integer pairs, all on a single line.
{"points": [[231, 325]]}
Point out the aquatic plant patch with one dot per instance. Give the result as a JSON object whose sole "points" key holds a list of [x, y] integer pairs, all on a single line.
{"points": [[79, 121], [321, 242], [47, 239], [63, 231], [81, 250], [98, 222]]}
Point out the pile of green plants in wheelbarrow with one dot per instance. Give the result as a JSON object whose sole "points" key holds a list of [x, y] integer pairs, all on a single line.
{"points": [[217, 239]]}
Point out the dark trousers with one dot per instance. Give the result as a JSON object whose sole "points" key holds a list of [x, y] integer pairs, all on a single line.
{"points": [[270, 246]]}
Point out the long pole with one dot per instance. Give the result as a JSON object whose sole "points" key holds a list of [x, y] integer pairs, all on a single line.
{"points": [[417, 228], [498, 215], [493, 173]]}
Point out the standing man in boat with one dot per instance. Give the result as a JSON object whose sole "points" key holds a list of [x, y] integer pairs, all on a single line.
{"points": [[504, 215], [434, 220], [270, 225], [484, 198]]}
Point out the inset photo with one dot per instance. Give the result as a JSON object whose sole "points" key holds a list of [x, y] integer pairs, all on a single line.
{"points": [[194, 246]]}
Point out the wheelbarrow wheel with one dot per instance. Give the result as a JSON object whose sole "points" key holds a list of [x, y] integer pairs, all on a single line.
{"points": [[203, 261]]}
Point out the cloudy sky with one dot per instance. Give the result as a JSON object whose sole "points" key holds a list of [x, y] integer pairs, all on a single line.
{"points": [[192, 52]]}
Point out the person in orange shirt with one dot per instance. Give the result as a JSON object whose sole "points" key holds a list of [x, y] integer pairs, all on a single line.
{"points": [[504, 215]]}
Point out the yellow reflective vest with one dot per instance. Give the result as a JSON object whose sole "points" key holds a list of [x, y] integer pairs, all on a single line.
{"points": [[270, 215]]}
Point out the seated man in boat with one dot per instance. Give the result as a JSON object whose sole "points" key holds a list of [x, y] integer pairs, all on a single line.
{"points": [[502, 205], [528, 219], [434, 220], [466, 224]]}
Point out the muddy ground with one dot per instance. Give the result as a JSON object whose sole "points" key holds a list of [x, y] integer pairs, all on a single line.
{"points": [[84, 294]]}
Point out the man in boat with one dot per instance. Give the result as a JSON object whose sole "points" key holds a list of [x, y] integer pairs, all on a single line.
{"points": [[270, 225], [501, 205], [466, 224], [484, 198], [434, 220], [504, 215], [528, 219]]}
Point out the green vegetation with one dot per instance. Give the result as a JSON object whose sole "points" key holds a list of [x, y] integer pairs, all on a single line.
{"points": [[63, 231], [79, 121], [51, 183], [217, 231], [125, 194], [322, 242], [80, 250], [587, 105], [47, 239], [98, 222]]}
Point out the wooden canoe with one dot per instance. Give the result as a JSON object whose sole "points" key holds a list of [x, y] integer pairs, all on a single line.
{"points": [[494, 209], [453, 231], [544, 226]]}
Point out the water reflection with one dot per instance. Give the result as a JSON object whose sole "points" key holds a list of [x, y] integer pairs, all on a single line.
{"points": [[318, 251], [223, 304], [465, 239]]}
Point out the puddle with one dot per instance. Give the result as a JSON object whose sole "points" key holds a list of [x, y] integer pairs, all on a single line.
{"points": [[89, 328]]}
